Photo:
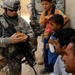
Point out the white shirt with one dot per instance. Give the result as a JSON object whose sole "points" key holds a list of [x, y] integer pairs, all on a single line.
{"points": [[59, 67]]}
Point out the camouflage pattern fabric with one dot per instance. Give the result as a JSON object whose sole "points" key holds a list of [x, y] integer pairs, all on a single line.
{"points": [[34, 21], [38, 6], [34, 44], [37, 31], [2, 63], [10, 4], [59, 4], [11, 67], [6, 48]]}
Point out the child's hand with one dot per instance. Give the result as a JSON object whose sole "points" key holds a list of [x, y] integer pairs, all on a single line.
{"points": [[47, 46], [46, 35], [51, 41], [48, 17]]}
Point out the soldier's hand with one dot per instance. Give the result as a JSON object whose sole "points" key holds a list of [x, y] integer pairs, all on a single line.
{"points": [[18, 37], [15, 38], [25, 37]]}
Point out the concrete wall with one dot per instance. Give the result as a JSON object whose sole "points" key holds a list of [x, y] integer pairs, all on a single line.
{"points": [[70, 11]]}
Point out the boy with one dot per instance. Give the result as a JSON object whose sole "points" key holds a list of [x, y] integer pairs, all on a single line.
{"points": [[56, 23]]}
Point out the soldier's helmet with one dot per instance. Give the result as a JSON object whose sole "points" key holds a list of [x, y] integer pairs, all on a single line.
{"points": [[11, 4]]}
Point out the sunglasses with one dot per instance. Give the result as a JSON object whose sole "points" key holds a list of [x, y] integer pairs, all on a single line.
{"points": [[13, 10], [16, 9]]}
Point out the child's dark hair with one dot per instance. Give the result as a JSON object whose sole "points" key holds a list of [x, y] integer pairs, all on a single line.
{"points": [[64, 35], [58, 19], [47, 0], [53, 7]]}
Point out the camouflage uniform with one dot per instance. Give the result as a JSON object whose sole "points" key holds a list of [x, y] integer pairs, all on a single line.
{"points": [[5, 47], [35, 20], [59, 5], [38, 5]]}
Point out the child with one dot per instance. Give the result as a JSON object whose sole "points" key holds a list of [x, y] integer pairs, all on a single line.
{"points": [[56, 23]]}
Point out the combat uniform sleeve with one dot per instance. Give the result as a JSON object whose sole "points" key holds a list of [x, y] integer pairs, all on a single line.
{"points": [[30, 32], [3, 41], [27, 30]]}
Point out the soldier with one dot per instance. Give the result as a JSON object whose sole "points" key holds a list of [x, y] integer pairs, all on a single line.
{"points": [[35, 13], [13, 30]]}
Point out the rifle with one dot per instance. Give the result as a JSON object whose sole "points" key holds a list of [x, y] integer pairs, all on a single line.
{"points": [[21, 48], [24, 49], [34, 11]]}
